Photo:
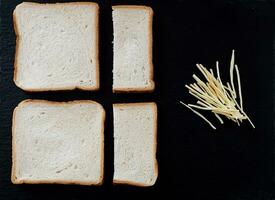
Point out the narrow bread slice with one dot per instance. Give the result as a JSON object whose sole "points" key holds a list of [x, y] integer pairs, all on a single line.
{"points": [[133, 66], [135, 144], [54, 142], [57, 46]]}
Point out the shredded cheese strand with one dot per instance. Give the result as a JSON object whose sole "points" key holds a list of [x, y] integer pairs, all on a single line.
{"points": [[239, 86], [200, 115], [219, 78], [231, 72], [219, 118]]}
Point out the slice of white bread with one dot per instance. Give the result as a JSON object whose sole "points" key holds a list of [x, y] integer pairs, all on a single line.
{"points": [[135, 144], [133, 65], [56, 46], [55, 142]]}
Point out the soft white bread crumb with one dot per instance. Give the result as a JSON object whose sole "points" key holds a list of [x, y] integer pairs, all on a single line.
{"points": [[55, 142], [135, 143], [57, 46], [133, 67]]}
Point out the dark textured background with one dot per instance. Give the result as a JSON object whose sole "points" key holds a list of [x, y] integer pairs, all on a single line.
{"points": [[195, 162]]}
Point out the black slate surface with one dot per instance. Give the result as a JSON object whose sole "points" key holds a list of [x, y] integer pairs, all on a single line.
{"points": [[195, 162]]}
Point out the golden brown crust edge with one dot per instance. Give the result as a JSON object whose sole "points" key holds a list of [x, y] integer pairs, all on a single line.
{"points": [[15, 26], [151, 86], [132, 7], [84, 88], [118, 182], [148, 89], [14, 180], [97, 48], [61, 3]]}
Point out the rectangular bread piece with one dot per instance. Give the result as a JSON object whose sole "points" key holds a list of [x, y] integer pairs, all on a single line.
{"points": [[135, 144], [133, 65], [58, 142], [56, 46]]}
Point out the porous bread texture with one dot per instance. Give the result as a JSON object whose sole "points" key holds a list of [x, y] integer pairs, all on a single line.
{"points": [[54, 142], [133, 66], [57, 46], [135, 144]]}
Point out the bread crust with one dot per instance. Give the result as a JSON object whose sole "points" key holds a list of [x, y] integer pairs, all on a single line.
{"points": [[89, 88], [154, 106], [14, 179], [151, 86]]}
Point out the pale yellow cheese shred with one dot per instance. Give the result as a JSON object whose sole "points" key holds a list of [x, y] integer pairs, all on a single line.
{"points": [[216, 97]]}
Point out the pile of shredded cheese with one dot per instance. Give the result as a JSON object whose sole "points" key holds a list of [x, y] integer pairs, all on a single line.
{"points": [[216, 97]]}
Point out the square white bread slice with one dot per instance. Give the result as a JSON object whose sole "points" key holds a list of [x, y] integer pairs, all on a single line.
{"points": [[135, 144], [133, 65], [57, 46], [54, 142]]}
